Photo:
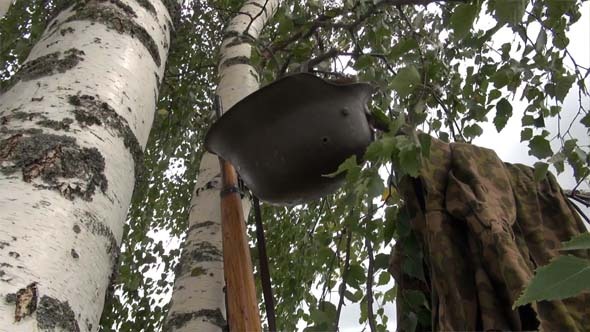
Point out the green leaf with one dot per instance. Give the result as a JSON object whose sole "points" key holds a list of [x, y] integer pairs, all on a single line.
{"points": [[384, 278], [509, 11], [503, 113], [355, 276], [364, 61], [586, 120], [425, 143], [564, 277], [540, 171], [389, 231], [381, 261], [502, 77], [353, 297], [415, 299], [462, 19], [406, 80], [326, 312], [563, 85], [528, 120], [347, 165], [494, 94], [401, 48], [380, 118], [540, 147], [472, 131], [541, 40], [581, 241], [410, 161], [526, 134], [375, 185]]}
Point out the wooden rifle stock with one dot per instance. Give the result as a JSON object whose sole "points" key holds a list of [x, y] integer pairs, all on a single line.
{"points": [[240, 290]]}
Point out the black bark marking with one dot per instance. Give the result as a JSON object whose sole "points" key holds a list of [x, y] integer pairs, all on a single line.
{"points": [[46, 65], [123, 6], [67, 30], [231, 33], [235, 61], [52, 314], [147, 5], [201, 252], [96, 227], [43, 121], [74, 254], [177, 321], [58, 161], [10, 298], [119, 21], [92, 111], [200, 225], [56, 125], [198, 271], [239, 41]]}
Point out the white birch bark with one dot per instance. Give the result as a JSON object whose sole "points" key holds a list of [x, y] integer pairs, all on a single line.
{"points": [[4, 5], [198, 298], [72, 130]]}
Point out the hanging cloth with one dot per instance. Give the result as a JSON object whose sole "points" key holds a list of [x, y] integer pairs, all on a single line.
{"points": [[483, 227]]}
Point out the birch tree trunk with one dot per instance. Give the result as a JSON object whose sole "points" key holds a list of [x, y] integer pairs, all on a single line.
{"points": [[4, 5], [73, 125], [198, 298]]}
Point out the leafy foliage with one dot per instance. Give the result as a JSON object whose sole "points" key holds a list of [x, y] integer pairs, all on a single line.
{"points": [[581, 241], [440, 70], [564, 277], [20, 29]]}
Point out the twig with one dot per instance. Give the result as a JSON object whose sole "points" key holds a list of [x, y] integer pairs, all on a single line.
{"points": [[331, 267], [262, 10], [370, 271], [580, 212], [342, 287]]}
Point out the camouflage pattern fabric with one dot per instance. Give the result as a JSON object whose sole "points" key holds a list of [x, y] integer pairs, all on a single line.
{"points": [[483, 226]]}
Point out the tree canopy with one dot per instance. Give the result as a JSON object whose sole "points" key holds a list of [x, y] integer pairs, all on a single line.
{"points": [[440, 69]]}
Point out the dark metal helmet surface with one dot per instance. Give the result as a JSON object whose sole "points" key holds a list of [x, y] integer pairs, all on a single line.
{"points": [[285, 137]]}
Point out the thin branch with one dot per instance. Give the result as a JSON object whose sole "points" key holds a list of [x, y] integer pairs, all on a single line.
{"points": [[262, 10], [331, 267], [580, 212], [324, 21], [332, 53], [342, 288], [370, 272], [578, 184]]}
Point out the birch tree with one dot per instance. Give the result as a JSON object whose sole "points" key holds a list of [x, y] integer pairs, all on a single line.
{"points": [[198, 297], [4, 5], [74, 121]]}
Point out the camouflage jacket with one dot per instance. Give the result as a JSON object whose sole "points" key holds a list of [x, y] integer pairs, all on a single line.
{"points": [[482, 226]]}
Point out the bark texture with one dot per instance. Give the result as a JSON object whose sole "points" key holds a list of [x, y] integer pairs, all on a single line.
{"points": [[4, 5], [73, 124], [198, 299]]}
